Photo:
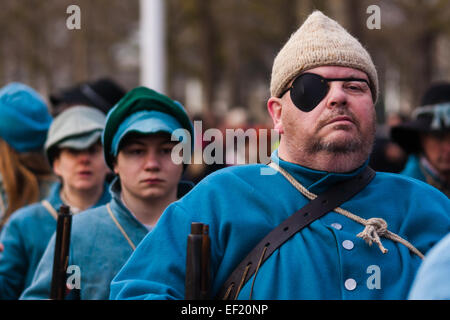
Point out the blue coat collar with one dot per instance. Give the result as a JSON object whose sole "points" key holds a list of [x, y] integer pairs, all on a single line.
{"points": [[315, 181], [55, 200]]}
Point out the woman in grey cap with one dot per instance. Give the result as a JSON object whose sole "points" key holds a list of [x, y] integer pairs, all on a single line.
{"points": [[74, 150]]}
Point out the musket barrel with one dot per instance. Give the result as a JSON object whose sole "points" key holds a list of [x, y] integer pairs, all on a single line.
{"points": [[193, 262], [205, 263], [61, 254]]}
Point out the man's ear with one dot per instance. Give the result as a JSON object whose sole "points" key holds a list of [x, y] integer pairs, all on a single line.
{"points": [[275, 106]]}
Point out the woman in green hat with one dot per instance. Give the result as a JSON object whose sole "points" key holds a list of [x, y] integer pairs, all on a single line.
{"points": [[137, 146]]}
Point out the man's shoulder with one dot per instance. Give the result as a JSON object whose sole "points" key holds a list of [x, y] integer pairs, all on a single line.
{"points": [[403, 186], [401, 179], [229, 179], [240, 172], [232, 183]]}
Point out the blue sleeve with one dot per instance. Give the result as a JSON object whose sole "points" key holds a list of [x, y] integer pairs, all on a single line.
{"points": [[42, 280], [13, 262], [162, 278], [156, 269], [432, 281]]}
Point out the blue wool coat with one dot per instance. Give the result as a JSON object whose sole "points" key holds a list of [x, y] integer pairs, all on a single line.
{"points": [[97, 249], [25, 238], [326, 260], [412, 169]]}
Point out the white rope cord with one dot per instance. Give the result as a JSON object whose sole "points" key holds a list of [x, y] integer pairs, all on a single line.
{"points": [[132, 245], [50, 209], [374, 227]]}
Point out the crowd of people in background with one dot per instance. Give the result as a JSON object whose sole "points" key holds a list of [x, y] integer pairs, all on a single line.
{"points": [[85, 149]]}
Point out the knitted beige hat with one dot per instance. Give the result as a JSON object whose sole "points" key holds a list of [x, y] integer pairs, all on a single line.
{"points": [[318, 42]]}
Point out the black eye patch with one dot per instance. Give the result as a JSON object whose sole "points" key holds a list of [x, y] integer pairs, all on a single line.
{"points": [[309, 89]]}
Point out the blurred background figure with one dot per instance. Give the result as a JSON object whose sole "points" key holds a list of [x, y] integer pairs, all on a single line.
{"points": [[242, 141], [197, 170], [25, 176], [75, 152], [387, 155], [102, 94], [237, 120], [252, 139], [427, 138]]}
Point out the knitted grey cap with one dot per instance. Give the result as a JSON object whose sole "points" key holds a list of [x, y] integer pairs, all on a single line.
{"points": [[320, 41], [76, 128]]}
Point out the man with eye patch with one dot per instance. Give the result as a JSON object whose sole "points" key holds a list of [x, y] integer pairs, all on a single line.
{"points": [[138, 144], [324, 88], [335, 128]]}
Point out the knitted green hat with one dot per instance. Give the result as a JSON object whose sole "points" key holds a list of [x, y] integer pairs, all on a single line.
{"points": [[320, 41], [140, 99]]}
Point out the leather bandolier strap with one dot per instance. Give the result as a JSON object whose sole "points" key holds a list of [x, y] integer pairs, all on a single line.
{"points": [[324, 203]]}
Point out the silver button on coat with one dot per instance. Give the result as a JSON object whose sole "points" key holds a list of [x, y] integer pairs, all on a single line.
{"points": [[337, 226], [348, 244], [350, 284]]}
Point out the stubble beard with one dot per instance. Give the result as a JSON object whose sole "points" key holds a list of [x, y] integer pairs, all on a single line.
{"points": [[337, 155], [336, 148]]}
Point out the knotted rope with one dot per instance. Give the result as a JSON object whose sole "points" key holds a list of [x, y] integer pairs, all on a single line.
{"points": [[374, 228]]}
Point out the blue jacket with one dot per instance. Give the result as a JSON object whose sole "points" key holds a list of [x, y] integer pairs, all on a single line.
{"points": [[98, 250], [25, 238], [412, 169], [432, 280], [416, 170], [241, 206]]}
